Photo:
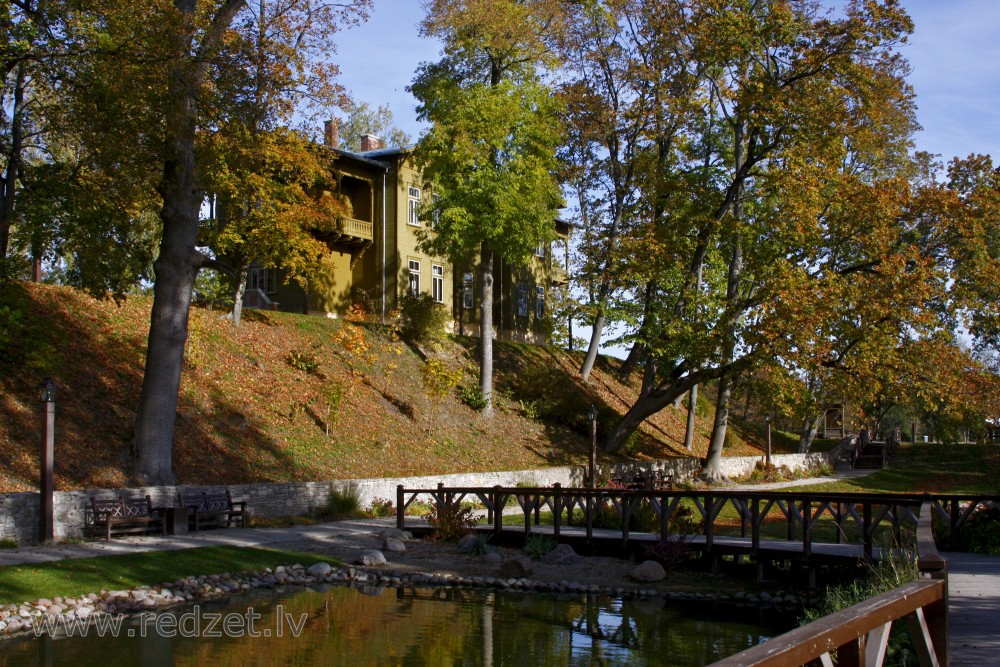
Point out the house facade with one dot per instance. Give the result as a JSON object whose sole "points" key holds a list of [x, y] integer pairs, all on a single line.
{"points": [[375, 259]]}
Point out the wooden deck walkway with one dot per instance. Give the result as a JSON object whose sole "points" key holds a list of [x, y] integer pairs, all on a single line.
{"points": [[974, 609]]}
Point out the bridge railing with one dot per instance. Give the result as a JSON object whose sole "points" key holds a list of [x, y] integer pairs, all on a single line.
{"points": [[860, 633], [854, 517]]}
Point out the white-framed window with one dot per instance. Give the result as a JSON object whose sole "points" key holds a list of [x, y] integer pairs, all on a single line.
{"points": [[264, 279], [539, 302], [413, 217], [436, 215], [468, 301], [414, 278], [437, 283], [522, 299], [541, 249]]}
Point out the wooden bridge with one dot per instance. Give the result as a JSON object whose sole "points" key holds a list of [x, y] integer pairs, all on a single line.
{"points": [[811, 526]]}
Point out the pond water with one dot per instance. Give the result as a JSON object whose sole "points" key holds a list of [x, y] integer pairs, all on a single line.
{"points": [[346, 626]]}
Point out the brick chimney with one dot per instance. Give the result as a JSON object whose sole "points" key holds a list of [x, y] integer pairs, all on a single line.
{"points": [[331, 133], [369, 142]]}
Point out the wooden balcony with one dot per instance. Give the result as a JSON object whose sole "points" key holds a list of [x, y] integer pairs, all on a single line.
{"points": [[559, 275], [353, 229]]}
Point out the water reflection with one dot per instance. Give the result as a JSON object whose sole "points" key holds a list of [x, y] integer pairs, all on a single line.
{"points": [[346, 626]]}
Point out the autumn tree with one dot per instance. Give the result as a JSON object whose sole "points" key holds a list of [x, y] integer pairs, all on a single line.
{"points": [[272, 193], [177, 71], [781, 93], [362, 119], [607, 131], [489, 155]]}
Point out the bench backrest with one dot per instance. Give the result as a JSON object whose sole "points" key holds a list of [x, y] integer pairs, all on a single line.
{"points": [[221, 501], [120, 508]]}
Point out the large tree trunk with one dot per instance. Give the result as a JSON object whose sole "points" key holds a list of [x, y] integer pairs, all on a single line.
{"points": [[810, 427], [692, 411], [176, 269], [179, 260], [486, 332], [241, 288], [631, 361], [713, 463], [14, 159], [595, 343]]}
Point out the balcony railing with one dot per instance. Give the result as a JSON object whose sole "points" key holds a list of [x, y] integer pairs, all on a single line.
{"points": [[357, 228]]}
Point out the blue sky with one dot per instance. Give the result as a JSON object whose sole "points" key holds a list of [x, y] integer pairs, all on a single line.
{"points": [[954, 53]]}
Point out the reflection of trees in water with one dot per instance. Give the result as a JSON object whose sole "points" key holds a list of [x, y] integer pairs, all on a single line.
{"points": [[435, 626]]}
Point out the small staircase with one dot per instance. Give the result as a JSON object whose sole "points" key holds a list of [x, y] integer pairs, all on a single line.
{"points": [[872, 455]]}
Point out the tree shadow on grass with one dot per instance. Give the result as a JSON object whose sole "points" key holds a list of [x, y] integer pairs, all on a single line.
{"points": [[95, 353]]}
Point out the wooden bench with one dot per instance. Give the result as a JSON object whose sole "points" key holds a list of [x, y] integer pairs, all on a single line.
{"points": [[125, 515], [213, 508], [652, 480]]}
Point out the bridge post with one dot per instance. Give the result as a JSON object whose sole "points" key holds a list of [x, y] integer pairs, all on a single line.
{"points": [[400, 506], [867, 529], [709, 521], [556, 509], [806, 527], [590, 517], [497, 510]]}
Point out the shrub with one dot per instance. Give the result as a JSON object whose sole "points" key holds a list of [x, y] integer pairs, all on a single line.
{"points": [[529, 409], [472, 397], [381, 507], [419, 508], [482, 545], [980, 534], [450, 521], [8, 543], [537, 546], [670, 552], [344, 503], [303, 361], [334, 395], [424, 319], [438, 378]]}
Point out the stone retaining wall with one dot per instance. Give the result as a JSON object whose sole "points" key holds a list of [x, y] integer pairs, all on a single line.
{"points": [[19, 511]]}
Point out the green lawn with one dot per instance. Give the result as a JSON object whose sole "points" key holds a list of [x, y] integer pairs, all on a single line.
{"points": [[931, 468], [20, 583]]}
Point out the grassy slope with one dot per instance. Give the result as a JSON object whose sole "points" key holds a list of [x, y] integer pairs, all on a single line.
{"points": [[246, 414]]}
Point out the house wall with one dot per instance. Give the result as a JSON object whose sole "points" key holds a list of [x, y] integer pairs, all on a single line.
{"points": [[408, 238], [330, 291]]}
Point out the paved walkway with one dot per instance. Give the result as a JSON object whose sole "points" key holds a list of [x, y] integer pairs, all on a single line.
{"points": [[330, 534], [973, 609], [840, 475]]}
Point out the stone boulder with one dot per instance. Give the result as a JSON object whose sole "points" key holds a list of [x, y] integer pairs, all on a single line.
{"points": [[516, 567], [648, 571], [563, 554], [396, 534], [393, 545], [371, 557], [319, 569]]}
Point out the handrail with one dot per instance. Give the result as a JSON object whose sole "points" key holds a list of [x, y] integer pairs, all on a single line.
{"points": [[929, 562], [859, 630], [860, 633], [353, 227]]}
